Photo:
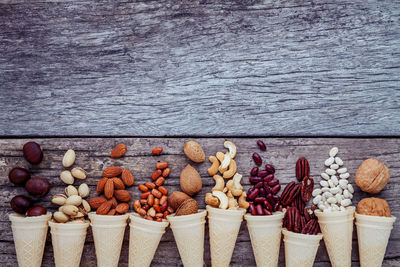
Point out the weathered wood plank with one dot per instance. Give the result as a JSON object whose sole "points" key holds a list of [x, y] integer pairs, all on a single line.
{"points": [[93, 155], [204, 68]]}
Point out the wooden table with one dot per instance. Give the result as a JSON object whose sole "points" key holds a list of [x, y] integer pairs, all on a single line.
{"points": [[93, 155]]}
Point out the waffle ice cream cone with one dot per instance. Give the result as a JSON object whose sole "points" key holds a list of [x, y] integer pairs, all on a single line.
{"points": [[189, 236], [337, 229], [224, 227], [29, 238], [144, 237], [108, 234], [300, 249], [265, 235], [373, 234], [68, 240]]}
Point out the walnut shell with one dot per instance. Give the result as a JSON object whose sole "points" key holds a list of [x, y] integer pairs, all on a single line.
{"points": [[190, 180], [194, 151], [373, 206], [372, 176]]}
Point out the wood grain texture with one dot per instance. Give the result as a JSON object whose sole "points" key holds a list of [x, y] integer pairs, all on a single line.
{"points": [[93, 155], [200, 68]]}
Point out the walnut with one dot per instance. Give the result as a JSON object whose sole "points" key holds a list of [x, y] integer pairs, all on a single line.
{"points": [[373, 206], [372, 176]]}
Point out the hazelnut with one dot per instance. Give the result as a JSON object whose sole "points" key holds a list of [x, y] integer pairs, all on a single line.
{"points": [[372, 176], [36, 211], [37, 186], [33, 153], [19, 176], [20, 204]]}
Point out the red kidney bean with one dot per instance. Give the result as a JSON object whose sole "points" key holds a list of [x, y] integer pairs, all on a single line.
{"points": [[276, 206], [262, 173], [252, 209], [267, 205], [259, 209], [259, 200], [266, 188], [270, 199], [257, 158], [276, 189], [262, 192], [276, 197], [255, 180], [254, 171], [254, 193], [259, 185], [261, 145], [267, 212], [273, 182], [270, 168], [268, 178]]}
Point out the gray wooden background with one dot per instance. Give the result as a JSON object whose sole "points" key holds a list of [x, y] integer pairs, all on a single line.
{"points": [[93, 155], [202, 68]]}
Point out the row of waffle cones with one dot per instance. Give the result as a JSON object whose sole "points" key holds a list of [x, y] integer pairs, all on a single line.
{"points": [[265, 233]]}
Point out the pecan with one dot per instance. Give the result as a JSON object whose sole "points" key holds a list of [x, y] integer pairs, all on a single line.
{"points": [[298, 203], [307, 186], [292, 220], [307, 214], [302, 222], [309, 227], [289, 193], [302, 169]]}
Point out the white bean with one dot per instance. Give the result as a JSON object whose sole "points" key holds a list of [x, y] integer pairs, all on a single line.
{"points": [[323, 199], [350, 188], [342, 170], [334, 166], [332, 200], [347, 194], [340, 189], [338, 161], [316, 192], [331, 184], [345, 202], [343, 183], [330, 171], [325, 189], [344, 175], [334, 180], [329, 161], [339, 198], [321, 206], [323, 183], [335, 207], [333, 151], [317, 199], [325, 176], [327, 195], [334, 191]]}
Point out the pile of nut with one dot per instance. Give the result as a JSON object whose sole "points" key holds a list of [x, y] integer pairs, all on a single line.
{"points": [[35, 186], [223, 195], [335, 193], [73, 208], [263, 196], [153, 204], [294, 197], [116, 198]]}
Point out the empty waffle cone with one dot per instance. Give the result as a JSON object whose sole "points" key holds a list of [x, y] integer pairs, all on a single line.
{"points": [[224, 227], [188, 232], [373, 234], [337, 229], [265, 235], [300, 249], [144, 237], [68, 240], [29, 238], [108, 234]]}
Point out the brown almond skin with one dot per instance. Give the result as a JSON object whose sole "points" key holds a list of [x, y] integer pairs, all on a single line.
{"points": [[122, 195], [190, 181], [194, 151], [104, 208], [96, 202], [118, 183], [118, 151], [100, 185], [122, 208], [112, 171], [109, 189], [127, 177], [176, 199]]}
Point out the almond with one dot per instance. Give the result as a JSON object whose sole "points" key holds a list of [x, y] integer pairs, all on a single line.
{"points": [[96, 202], [194, 151], [118, 184], [104, 208], [100, 185], [189, 206], [112, 171], [109, 189], [118, 151], [112, 212], [127, 177], [122, 208], [122, 195]]}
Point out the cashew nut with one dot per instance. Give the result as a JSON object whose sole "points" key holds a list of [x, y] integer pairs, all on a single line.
{"points": [[234, 185], [231, 170], [232, 204], [231, 147], [220, 156], [223, 199], [242, 201], [229, 194], [214, 167], [211, 200], [225, 163], [219, 183]]}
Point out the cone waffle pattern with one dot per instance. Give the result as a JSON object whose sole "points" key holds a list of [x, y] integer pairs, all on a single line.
{"points": [[372, 245], [265, 246], [108, 243], [190, 248], [142, 247], [68, 252], [30, 247]]}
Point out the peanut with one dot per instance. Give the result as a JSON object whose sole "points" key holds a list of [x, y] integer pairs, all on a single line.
{"points": [[156, 150], [150, 200], [163, 199], [166, 172], [150, 185], [156, 193], [160, 181], [163, 190], [161, 165], [156, 174], [157, 207], [145, 195], [143, 188]]}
